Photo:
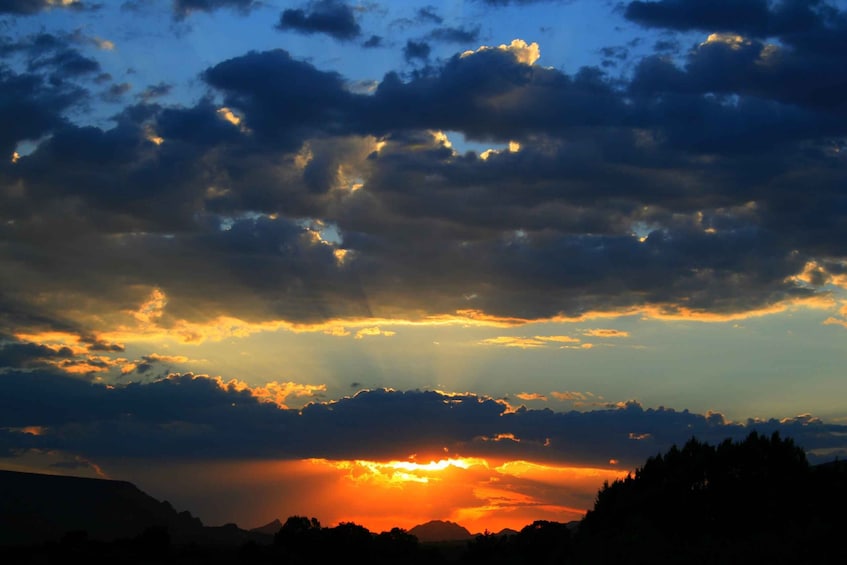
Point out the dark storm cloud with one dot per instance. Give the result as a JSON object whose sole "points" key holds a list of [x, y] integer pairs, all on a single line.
{"points": [[194, 417], [331, 17]]}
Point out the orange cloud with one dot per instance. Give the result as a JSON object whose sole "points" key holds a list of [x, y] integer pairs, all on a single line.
{"points": [[569, 395], [602, 332], [275, 392], [528, 342], [579, 399], [531, 396], [152, 322], [511, 341], [373, 331], [278, 393]]}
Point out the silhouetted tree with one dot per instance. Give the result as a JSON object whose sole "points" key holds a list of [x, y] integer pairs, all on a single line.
{"points": [[544, 541], [739, 502], [298, 539], [396, 545]]}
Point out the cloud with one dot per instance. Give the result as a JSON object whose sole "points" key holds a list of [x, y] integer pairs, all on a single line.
{"points": [[269, 88], [605, 332], [523, 52], [155, 91], [529, 342], [454, 35], [580, 399], [713, 15], [529, 396], [416, 50], [672, 195], [331, 17], [374, 331], [28, 355], [183, 8], [51, 55], [516, 2], [429, 14], [373, 41], [187, 417], [802, 24], [30, 7]]}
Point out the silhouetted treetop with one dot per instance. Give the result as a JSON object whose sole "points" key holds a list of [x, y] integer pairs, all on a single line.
{"points": [[701, 503]]}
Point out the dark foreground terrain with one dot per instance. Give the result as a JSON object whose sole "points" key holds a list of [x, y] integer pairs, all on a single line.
{"points": [[753, 501]]}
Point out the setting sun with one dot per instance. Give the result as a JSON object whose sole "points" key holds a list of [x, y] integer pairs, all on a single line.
{"points": [[479, 494]]}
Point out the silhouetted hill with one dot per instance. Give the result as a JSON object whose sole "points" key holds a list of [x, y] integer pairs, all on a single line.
{"points": [[753, 501], [440, 530], [270, 528], [37, 508]]}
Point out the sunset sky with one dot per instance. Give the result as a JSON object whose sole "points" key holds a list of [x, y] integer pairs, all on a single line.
{"points": [[388, 262]]}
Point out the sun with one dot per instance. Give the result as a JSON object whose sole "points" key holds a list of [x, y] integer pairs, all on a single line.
{"points": [[399, 472]]}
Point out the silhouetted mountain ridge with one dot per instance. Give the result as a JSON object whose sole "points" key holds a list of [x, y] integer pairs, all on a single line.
{"points": [[751, 501], [440, 530], [38, 508], [270, 528]]}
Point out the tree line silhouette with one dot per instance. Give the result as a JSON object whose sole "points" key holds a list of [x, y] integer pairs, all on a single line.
{"points": [[752, 501]]}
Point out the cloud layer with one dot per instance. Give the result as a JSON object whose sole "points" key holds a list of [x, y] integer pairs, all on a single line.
{"points": [[681, 192], [187, 417]]}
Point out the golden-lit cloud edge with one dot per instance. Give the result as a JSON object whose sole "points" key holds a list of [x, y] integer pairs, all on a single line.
{"points": [[149, 323]]}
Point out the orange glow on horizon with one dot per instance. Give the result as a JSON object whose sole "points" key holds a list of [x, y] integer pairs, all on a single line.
{"points": [[478, 493]]}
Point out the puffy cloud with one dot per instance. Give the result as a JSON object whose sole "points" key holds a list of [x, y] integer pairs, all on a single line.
{"points": [[674, 195], [816, 26], [331, 17], [416, 50]]}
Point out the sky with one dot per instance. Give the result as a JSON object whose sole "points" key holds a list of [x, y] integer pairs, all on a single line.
{"points": [[389, 262]]}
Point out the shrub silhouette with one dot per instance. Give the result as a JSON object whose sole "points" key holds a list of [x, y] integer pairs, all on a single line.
{"points": [[538, 543]]}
